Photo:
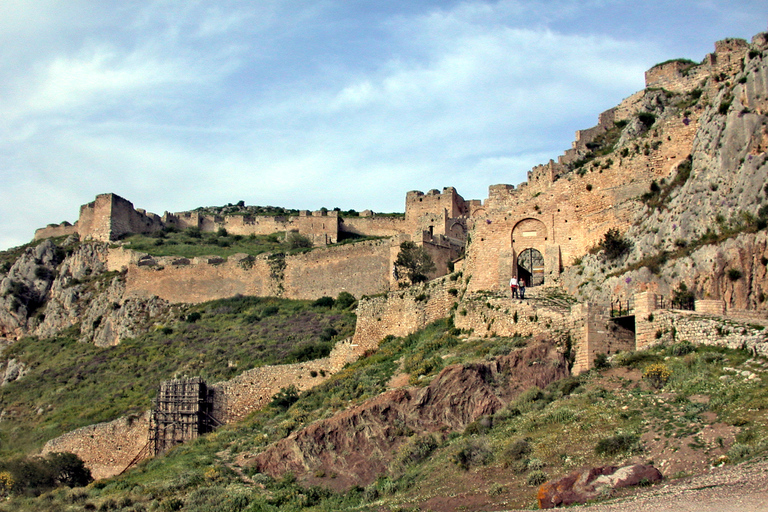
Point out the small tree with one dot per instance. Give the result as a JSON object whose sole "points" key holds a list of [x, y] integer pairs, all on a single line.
{"points": [[414, 263], [614, 245]]}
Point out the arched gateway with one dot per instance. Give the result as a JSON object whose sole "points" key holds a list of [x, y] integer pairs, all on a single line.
{"points": [[530, 267]]}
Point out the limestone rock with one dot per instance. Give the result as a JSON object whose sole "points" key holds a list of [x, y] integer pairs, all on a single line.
{"points": [[14, 370], [582, 486]]}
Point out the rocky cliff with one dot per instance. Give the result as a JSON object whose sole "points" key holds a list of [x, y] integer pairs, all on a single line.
{"points": [[54, 287]]}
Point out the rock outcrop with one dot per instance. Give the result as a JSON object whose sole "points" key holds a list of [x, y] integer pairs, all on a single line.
{"points": [[369, 434], [589, 484], [51, 288]]}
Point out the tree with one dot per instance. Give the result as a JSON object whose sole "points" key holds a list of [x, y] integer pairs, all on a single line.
{"points": [[414, 263], [614, 245]]}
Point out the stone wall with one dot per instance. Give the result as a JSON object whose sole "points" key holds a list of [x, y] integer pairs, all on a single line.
{"points": [[677, 325], [106, 448], [403, 312], [53, 231], [363, 268], [680, 76]]}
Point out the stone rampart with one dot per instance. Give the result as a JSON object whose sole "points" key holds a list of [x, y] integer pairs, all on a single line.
{"points": [[363, 268], [403, 312], [255, 388], [106, 448], [683, 76], [54, 231]]}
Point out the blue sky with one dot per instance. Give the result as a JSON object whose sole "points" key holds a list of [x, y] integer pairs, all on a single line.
{"points": [[304, 104]]}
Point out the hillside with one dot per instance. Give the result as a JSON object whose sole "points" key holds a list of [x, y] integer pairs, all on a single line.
{"points": [[340, 384]]}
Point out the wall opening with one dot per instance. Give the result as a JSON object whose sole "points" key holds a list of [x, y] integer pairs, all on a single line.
{"points": [[530, 267]]}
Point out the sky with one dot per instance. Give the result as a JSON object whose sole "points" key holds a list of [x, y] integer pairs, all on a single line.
{"points": [[308, 104]]}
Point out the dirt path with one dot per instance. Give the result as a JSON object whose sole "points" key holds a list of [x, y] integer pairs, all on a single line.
{"points": [[739, 488]]}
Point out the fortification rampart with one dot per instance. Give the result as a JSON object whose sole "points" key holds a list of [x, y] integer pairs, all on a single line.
{"points": [[106, 448], [54, 231], [403, 312], [363, 268], [682, 75]]}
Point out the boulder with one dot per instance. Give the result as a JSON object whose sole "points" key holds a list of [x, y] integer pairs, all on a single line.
{"points": [[588, 484]]}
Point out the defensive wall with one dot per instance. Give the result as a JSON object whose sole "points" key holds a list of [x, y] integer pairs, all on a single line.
{"points": [[680, 75], [362, 268], [108, 448]]}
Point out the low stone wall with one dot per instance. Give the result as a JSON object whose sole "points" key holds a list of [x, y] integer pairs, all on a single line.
{"points": [[255, 388], [676, 325], [106, 448]]}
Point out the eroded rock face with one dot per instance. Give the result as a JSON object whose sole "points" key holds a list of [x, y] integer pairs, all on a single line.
{"points": [[588, 484], [49, 289], [358, 444]]}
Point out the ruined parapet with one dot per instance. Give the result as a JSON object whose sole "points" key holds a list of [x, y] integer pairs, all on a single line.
{"points": [[681, 75], [54, 230]]}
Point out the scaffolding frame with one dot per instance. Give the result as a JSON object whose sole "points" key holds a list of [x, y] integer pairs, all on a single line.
{"points": [[182, 410]]}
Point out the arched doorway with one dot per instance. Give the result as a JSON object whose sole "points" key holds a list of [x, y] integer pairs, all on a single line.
{"points": [[530, 266]]}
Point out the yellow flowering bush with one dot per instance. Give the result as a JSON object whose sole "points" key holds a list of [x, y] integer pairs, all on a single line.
{"points": [[657, 375]]}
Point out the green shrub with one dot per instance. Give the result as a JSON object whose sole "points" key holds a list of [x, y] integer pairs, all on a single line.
{"points": [[417, 449], [616, 444], [536, 477], [286, 397], [734, 274], [324, 302], [681, 349], [345, 300], [516, 451], [614, 245], [472, 452]]}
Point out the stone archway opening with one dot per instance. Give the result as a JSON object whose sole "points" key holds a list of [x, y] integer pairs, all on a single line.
{"points": [[530, 267]]}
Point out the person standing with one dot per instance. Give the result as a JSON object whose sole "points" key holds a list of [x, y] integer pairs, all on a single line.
{"points": [[513, 286], [521, 287]]}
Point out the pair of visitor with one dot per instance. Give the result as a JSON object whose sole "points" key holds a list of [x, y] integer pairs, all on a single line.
{"points": [[517, 287]]}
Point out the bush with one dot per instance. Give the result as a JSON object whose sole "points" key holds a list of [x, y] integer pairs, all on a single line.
{"points": [[517, 451], [417, 449], [601, 361], [614, 245], [734, 274], [293, 240], [681, 349], [285, 398], [616, 444], [657, 375], [324, 302], [647, 119], [536, 477], [345, 300], [414, 262], [472, 452]]}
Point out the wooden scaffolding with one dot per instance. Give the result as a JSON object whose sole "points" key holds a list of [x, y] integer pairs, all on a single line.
{"points": [[182, 410]]}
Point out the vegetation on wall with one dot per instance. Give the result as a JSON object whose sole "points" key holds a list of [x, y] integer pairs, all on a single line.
{"points": [[414, 263]]}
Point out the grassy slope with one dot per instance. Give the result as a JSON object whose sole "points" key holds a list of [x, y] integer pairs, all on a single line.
{"points": [[72, 384], [482, 468]]}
